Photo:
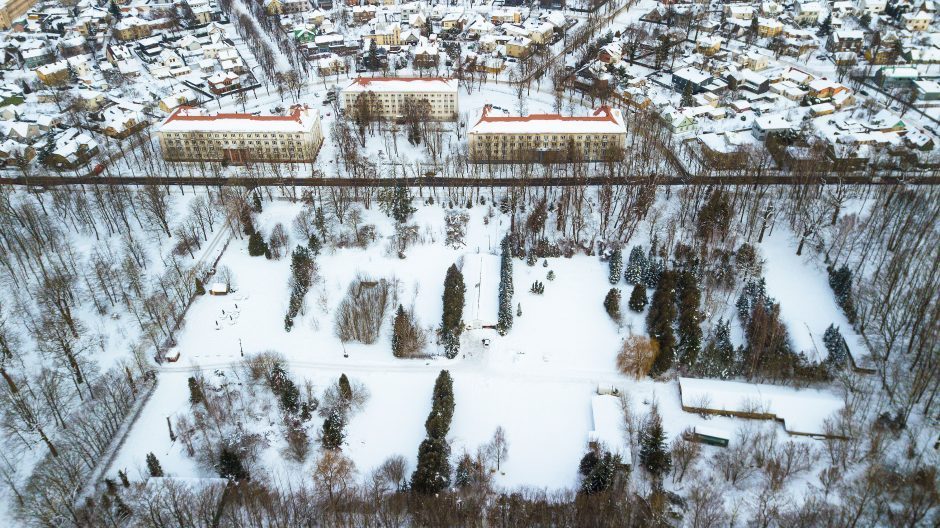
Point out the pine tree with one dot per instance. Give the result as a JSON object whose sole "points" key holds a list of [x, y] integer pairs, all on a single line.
{"points": [[432, 474], [519, 310], [401, 208], [256, 203], [257, 245], [654, 454], [399, 328], [153, 465], [638, 298], [601, 473], [314, 245], [659, 321], [717, 359], [195, 392], [504, 322], [200, 289], [442, 407], [689, 317], [345, 389], [231, 466], [334, 430], [838, 353], [840, 280], [653, 271], [463, 474], [612, 304], [551, 275], [616, 266], [452, 320], [687, 101], [636, 266]]}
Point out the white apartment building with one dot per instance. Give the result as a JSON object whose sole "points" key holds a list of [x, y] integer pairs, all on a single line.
{"points": [[391, 93], [192, 134], [548, 137]]}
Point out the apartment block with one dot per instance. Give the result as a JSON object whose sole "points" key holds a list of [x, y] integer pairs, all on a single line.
{"points": [[390, 94], [192, 134], [548, 137]]}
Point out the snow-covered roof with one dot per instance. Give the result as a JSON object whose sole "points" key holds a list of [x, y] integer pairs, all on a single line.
{"points": [[481, 275], [802, 411], [301, 119], [403, 84], [607, 414], [604, 120]]}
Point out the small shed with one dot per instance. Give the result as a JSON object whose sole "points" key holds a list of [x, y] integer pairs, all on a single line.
{"points": [[711, 436], [172, 355], [218, 288]]}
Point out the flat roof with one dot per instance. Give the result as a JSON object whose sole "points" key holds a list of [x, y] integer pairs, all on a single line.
{"points": [[187, 119]]}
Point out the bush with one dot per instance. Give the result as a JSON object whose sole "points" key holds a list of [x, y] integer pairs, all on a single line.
{"points": [[637, 355], [408, 339], [360, 314]]}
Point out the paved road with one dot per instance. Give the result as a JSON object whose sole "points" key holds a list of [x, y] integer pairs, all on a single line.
{"points": [[555, 181]]}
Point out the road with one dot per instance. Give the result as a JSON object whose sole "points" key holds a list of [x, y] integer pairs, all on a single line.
{"points": [[930, 178]]}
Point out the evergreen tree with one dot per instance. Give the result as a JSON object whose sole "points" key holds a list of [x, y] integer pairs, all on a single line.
{"points": [[334, 430], [551, 275], [114, 10], [195, 392], [432, 474], [504, 322], [401, 204], [687, 101], [638, 298], [200, 289], [653, 271], [659, 321], [256, 245], [601, 473], [838, 353], [612, 304], [345, 389], [654, 454], [231, 466], [825, 27], [717, 359], [465, 471], [616, 266], [689, 329], [840, 280], [301, 267], [400, 328], [153, 465], [452, 320], [519, 310], [314, 245], [442, 407], [256, 203], [636, 266]]}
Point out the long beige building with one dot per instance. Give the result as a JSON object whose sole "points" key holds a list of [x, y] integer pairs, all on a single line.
{"points": [[548, 137], [192, 134], [392, 92], [10, 10]]}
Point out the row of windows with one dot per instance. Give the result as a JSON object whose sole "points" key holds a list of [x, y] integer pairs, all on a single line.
{"points": [[196, 135], [534, 137]]}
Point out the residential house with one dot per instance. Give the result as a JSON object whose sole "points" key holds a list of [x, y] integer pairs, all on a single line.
{"points": [[71, 150], [223, 82], [694, 78], [919, 21], [846, 40], [519, 47], [807, 13]]}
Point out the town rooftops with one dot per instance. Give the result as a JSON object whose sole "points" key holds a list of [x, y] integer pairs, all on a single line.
{"points": [[403, 84], [188, 119], [604, 120]]}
